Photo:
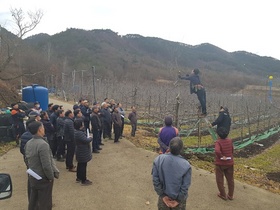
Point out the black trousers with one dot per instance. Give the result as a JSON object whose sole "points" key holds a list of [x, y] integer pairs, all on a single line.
{"points": [[41, 194], [60, 146], [70, 154], [117, 131], [201, 95], [107, 128], [82, 171], [133, 129], [86, 124], [53, 146], [95, 140]]}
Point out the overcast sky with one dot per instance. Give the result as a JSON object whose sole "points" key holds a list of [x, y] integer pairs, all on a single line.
{"points": [[233, 25]]}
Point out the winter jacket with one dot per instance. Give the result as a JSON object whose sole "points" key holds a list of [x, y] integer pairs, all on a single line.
{"points": [[95, 122], [223, 120], [194, 80], [172, 176], [83, 149], [25, 137], [53, 118], [106, 116], [117, 119], [60, 127], [68, 129], [86, 112], [165, 135], [133, 117], [224, 147], [39, 158], [49, 129]]}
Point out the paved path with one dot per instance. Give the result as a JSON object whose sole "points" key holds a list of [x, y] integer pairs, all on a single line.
{"points": [[121, 176]]}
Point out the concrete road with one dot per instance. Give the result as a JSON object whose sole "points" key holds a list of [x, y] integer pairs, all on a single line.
{"points": [[121, 176]]}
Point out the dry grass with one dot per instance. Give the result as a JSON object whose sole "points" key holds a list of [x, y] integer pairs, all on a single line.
{"points": [[250, 170]]}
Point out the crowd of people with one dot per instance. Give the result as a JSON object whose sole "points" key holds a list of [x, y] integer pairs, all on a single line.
{"points": [[58, 134]]}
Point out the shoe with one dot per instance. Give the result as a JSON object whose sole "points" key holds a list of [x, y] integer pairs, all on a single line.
{"points": [[99, 148], [222, 197], [72, 170], [230, 197], [116, 141], [95, 151], [78, 180], [86, 183], [120, 137], [101, 144]]}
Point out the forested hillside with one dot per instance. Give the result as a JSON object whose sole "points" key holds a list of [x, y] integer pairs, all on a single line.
{"points": [[44, 59]]}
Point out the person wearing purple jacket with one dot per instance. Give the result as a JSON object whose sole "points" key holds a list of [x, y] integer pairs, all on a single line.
{"points": [[166, 134], [224, 164]]}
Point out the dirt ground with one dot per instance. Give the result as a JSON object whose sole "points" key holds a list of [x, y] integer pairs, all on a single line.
{"points": [[121, 176]]}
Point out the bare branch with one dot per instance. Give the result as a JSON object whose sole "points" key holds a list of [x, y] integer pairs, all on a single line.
{"points": [[24, 26], [20, 75]]}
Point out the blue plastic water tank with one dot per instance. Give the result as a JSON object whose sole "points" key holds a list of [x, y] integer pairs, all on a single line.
{"points": [[36, 93]]}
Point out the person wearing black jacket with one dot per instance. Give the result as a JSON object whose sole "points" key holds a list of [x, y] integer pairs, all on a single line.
{"points": [[106, 119], [17, 116], [49, 132], [117, 123], [25, 137], [83, 152], [86, 113], [223, 119], [95, 128], [69, 140], [59, 136]]}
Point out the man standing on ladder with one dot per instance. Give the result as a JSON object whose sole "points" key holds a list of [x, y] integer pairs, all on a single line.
{"points": [[197, 88]]}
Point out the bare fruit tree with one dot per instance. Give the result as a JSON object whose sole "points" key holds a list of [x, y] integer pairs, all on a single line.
{"points": [[24, 24]]}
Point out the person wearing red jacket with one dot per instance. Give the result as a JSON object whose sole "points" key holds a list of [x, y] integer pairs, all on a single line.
{"points": [[224, 164]]}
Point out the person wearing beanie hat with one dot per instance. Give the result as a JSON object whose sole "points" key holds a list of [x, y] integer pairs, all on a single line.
{"points": [[166, 134], [223, 120], [197, 88]]}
